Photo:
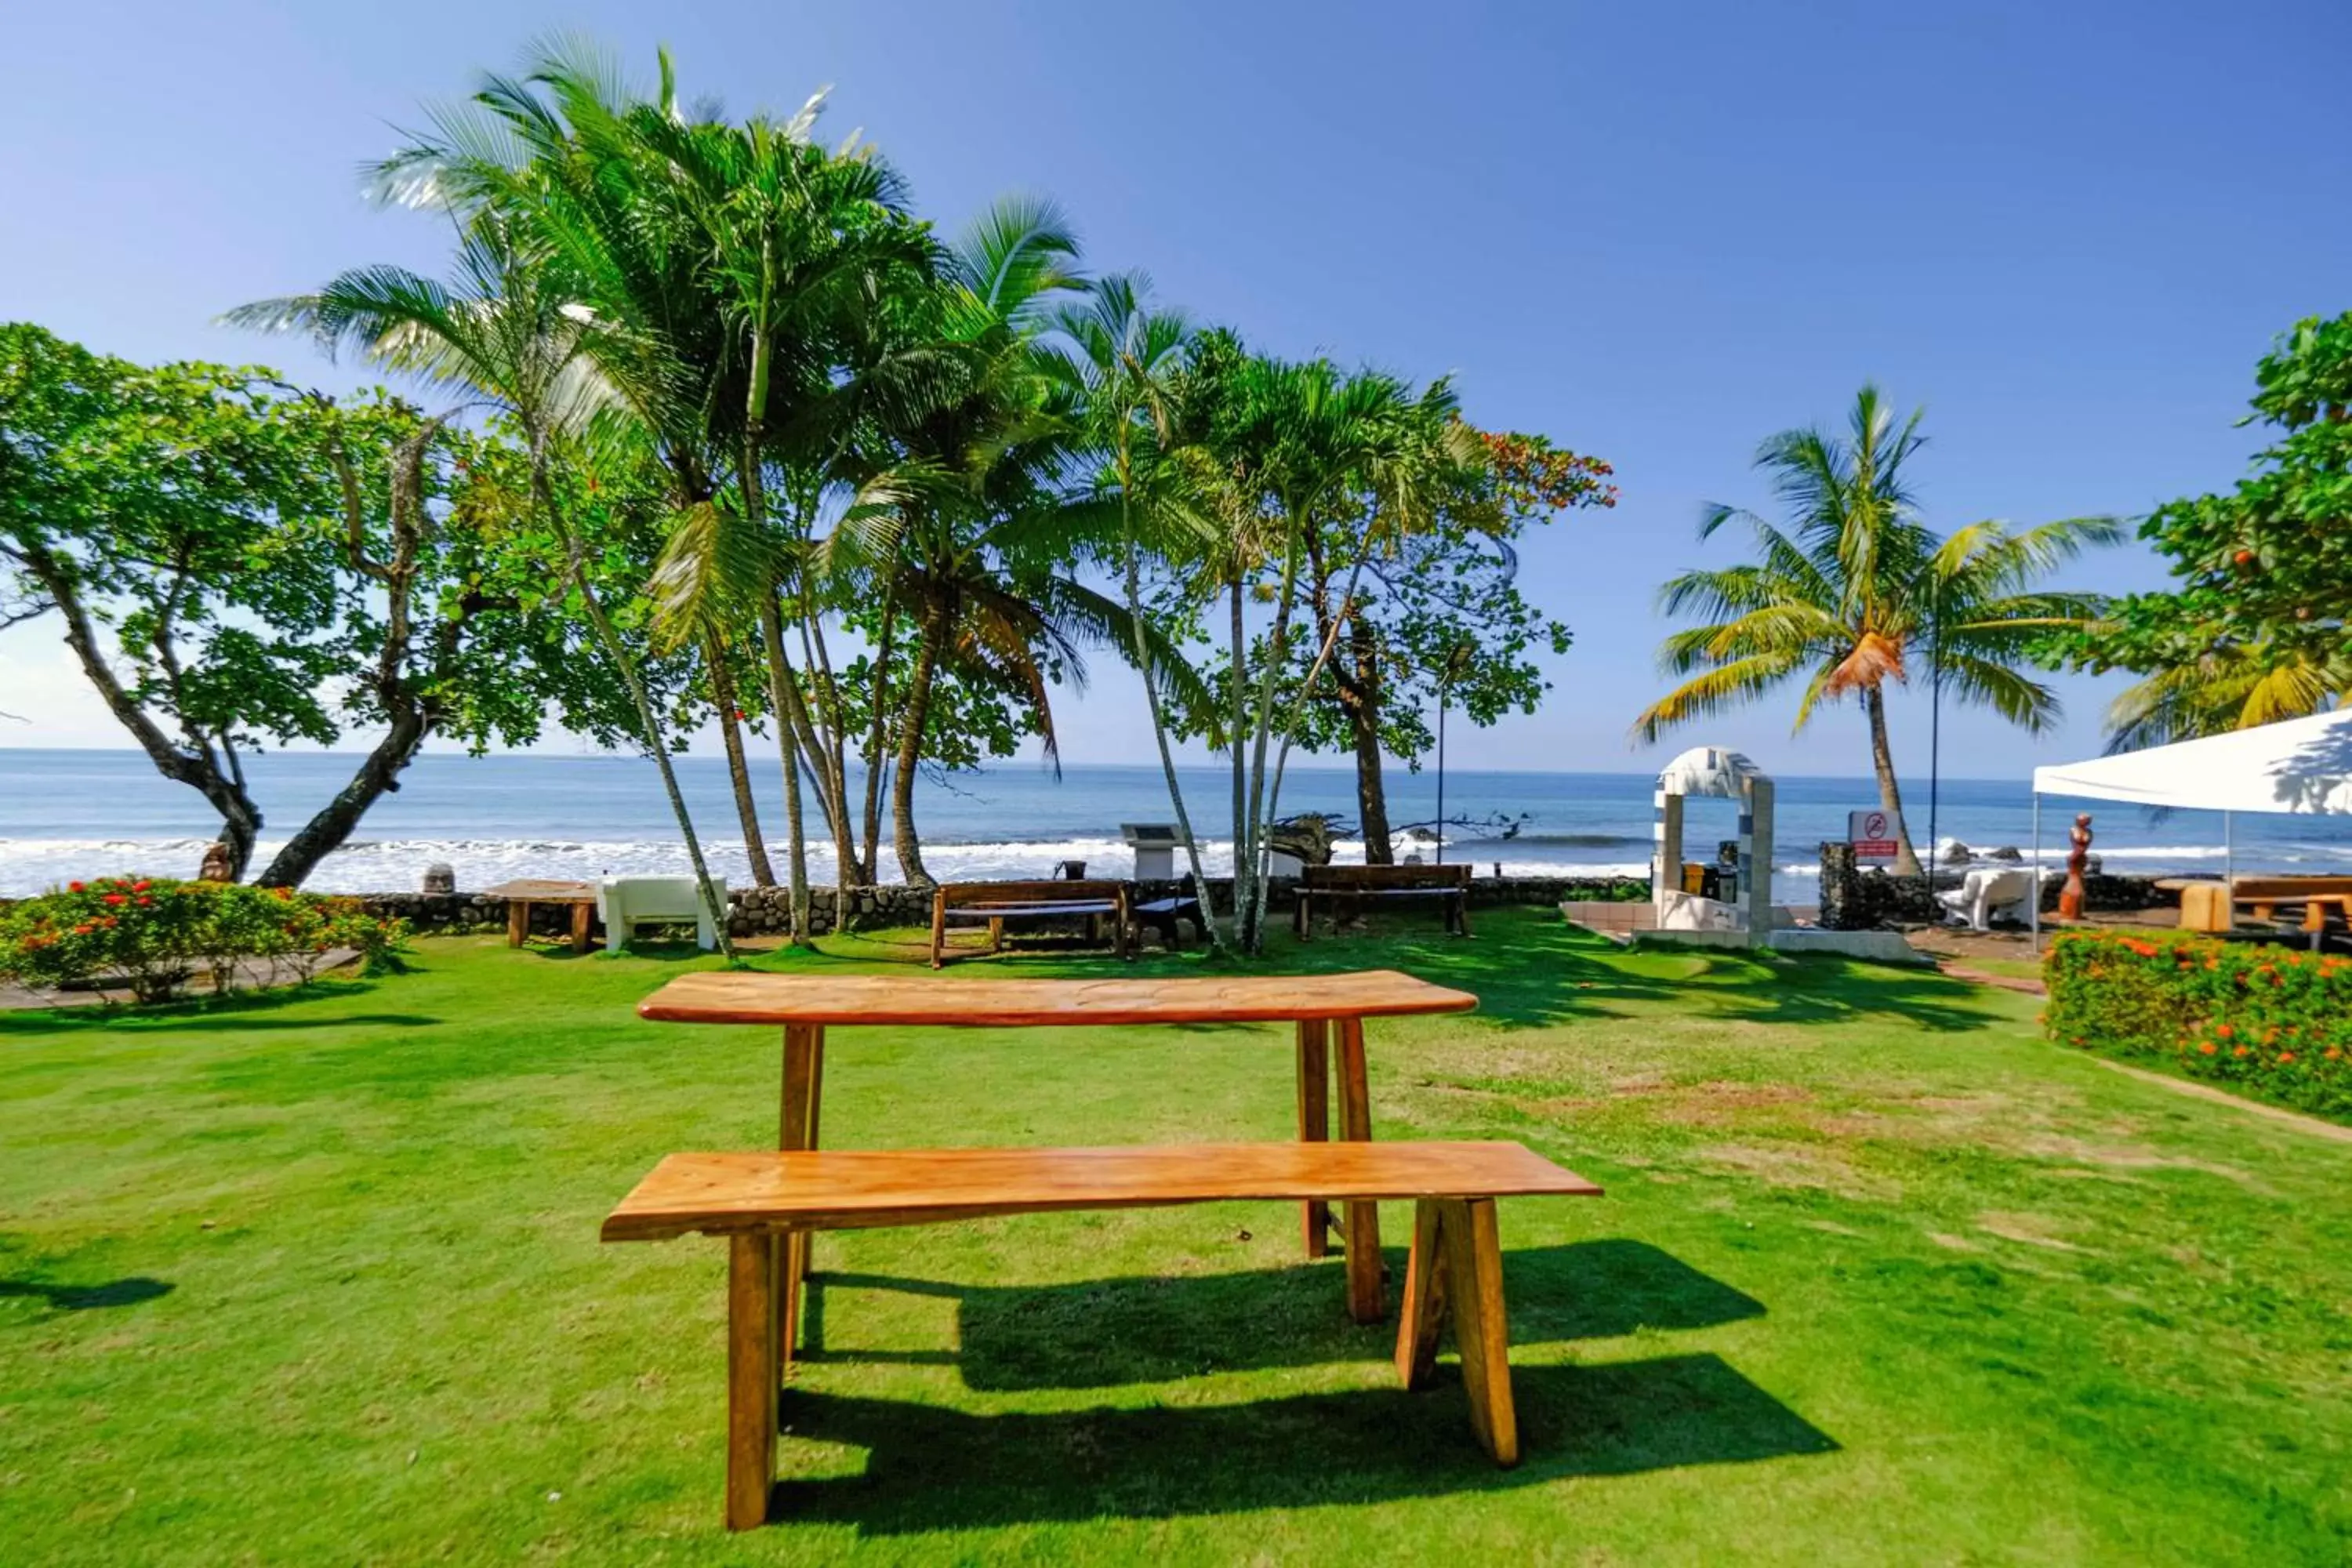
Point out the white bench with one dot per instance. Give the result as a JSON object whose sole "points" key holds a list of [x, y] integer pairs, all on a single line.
{"points": [[623, 903]]}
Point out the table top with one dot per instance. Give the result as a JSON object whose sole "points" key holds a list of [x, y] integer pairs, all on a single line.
{"points": [[836, 1189], [717, 996], [542, 892]]}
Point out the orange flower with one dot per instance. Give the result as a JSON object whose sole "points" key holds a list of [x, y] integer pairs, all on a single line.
{"points": [[2285, 1056], [2209, 1048], [2243, 1051], [2225, 1031]]}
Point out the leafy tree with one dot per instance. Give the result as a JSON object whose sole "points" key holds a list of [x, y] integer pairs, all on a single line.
{"points": [[1439, 616], [2257, 628], [238, 565], [1855, 585]]}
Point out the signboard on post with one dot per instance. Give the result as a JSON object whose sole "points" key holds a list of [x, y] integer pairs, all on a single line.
{"points": [[1872, 834]]}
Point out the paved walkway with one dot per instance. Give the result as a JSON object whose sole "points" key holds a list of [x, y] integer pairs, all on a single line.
{"points": [[252, 975]]}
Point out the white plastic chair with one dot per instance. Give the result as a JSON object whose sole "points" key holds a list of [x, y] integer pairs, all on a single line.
{"points": [[626, 903], [1986, 892]]}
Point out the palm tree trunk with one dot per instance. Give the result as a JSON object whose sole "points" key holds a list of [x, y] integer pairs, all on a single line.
{"points": [[1238, 646], [780, 676], [714, 899], [911, 748], [874, 768], [730, 736], [1890, 793], [1159, 722]]}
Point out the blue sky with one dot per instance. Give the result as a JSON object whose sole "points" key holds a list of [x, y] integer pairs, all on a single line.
{"points": [[1654, 233]]}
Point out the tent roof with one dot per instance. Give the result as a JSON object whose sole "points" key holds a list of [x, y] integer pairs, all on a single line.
{"points": [[2302, 765]]}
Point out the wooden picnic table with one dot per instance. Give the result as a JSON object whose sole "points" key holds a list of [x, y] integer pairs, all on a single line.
{"points": [[1320, 1005], [526, 891]]}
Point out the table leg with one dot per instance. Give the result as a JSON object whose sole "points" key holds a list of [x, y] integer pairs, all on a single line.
{"points": [[580, 913], [804, 1076], [1315, 1120], [518, 922], [1363, 1219]]}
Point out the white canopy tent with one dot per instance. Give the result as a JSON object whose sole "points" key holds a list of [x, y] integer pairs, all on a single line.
{"points": [[2302, 767]]}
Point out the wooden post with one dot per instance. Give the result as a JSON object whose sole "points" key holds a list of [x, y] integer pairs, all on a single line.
{"points": [[804, 1055], [1423, 1312], [938, 927], [751, 1378], [1363, 1219], [518, 920], [1474, 1259], [1315, 1121], [581, 911]]}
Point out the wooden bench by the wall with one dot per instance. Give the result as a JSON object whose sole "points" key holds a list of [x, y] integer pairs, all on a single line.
{"points": [[996, 902], [757, 1200], [1350, 889]]}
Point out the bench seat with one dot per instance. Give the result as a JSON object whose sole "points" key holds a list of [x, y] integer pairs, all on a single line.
{"points": [[757, 1200], [996, 902], [1322, 887]]}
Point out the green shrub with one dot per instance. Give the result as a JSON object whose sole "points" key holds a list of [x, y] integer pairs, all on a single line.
{"points": [[155, 933], [2265, 1021]]}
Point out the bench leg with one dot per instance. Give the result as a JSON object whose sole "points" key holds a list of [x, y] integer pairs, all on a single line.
{"points": [[1422, 1313], [1363, 1219], [1474, 1268], [1461, 914], [1315, 1121], [580, 913], [751, 1379], [518, 922], [1455, 1273], [1302, 918], [938, 930]]}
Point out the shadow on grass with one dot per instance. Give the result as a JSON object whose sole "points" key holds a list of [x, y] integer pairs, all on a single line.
{"points": [[1159, 1328], [931, 1469], [243, 1010], [127, 1292]]}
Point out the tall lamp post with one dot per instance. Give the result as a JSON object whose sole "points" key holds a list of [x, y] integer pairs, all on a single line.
{"points": [[1935, 722]]}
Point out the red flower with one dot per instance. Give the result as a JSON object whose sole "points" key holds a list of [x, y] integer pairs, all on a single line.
{"points": [[73, 887], [115, 898], [140, 886], [2243, 1051], [145, 899], [2225, 1031], [2285, 1056], [83, 929]]}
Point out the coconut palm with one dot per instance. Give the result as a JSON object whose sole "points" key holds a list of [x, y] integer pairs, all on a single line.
{"points": [[505, 333], [2227, 686], [1855, 590], [1122, 368]]}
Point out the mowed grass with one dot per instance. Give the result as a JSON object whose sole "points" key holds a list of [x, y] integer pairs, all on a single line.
{"points": [[1880, 1277]]}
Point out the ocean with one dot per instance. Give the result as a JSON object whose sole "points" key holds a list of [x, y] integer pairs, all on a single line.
{"points": [[69, 814]]}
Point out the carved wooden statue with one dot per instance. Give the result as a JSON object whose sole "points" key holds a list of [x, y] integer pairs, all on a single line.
{"points": [[215, 866], [2070, 897]]}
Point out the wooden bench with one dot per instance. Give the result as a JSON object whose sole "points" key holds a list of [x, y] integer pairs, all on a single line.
{"points": [[760, 1201], [2315, 895], [1352, 887], [997, 902], [1161, 915]]}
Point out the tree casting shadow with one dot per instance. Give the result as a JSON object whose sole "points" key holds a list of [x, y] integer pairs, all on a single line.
{"points": [[125, 1292], [931, 1469]]}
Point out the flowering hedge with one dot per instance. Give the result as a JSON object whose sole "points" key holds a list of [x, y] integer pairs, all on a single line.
{"points": [[156, 932], [2265, 1021]]}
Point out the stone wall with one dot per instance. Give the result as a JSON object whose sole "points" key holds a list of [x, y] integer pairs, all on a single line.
{"points": [[1853, 898], [755, 911]]}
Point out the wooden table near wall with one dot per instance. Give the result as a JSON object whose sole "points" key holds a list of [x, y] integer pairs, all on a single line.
{"points": [[1323, 1007], [520, 895]]}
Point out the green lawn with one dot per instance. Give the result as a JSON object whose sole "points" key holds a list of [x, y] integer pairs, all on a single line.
{"points": [[1880, 1277]]}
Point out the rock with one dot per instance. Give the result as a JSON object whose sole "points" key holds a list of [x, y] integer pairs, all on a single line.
{"points": [[440, 878], [1957, 854], [2008, 853]]}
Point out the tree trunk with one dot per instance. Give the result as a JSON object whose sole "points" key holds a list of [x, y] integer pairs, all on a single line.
{"points": [[1236, 637], [196, 768], [1160, 725], [1360, 696], [731, 734], [377, 774], [875, 766], [780, 678], [1890, 793], [910, 750]]}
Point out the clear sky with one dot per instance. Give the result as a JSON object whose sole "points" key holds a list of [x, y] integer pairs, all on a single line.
{"points": [[1656, 233]]}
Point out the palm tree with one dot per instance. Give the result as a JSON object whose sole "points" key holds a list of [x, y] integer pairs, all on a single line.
{"points": [[505, 334], [1122, 373], [2227, 686], [1855, 586]]}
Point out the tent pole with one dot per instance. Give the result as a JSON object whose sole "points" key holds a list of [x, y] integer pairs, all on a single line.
{"points": [[2229, 857], [2035, 903]]}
